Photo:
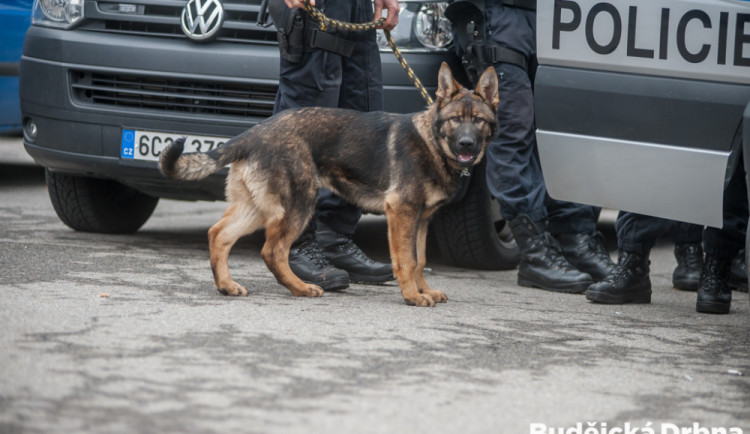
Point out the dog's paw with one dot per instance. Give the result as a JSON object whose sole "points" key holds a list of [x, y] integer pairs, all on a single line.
{"points": [[420, 300], [233, 289], [308, 290], [438, 296]]}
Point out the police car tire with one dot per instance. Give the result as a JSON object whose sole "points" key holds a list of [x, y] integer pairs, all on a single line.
{"points": [[468, 236], [98, 205]]}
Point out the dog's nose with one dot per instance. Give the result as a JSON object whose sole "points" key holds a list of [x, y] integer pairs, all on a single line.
{"points": [[465, 143]]}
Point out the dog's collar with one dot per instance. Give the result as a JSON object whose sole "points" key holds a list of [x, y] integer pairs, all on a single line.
{"points": [[465, 172]]}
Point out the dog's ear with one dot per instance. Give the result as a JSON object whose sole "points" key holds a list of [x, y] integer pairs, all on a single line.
{"points": [[447, 85], [487, 88]]}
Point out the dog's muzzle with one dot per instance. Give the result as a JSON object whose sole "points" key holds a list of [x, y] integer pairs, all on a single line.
{"points": [[466, 151]]}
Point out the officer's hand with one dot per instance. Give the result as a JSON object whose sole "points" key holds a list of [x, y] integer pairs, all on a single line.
{"points": [[297, 3], [391, 18]]}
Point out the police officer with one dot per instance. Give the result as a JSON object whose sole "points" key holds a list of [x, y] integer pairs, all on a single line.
{"points": [[560, 248], [330, 69]]}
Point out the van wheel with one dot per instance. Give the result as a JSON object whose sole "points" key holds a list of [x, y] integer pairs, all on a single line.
{"points": [[470, 231], [98, 205]]}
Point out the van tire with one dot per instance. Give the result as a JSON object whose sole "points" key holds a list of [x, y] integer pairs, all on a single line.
{"points": [[98, 205], [470, 232]]}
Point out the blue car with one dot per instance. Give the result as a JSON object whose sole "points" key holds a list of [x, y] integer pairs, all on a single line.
{"points": [[15, 18]]}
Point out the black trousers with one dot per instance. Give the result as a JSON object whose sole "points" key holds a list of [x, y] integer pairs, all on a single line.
{"points": [[639, 233], [514, 174], [327, 79]]}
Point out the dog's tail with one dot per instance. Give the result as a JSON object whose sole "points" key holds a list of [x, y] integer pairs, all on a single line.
{"points": [[192, 167]]}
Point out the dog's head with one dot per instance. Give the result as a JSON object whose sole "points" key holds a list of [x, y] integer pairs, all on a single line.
{"points": [[466, 120]]}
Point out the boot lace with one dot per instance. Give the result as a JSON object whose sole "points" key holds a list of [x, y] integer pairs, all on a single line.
{"points": [[352, 249], [596, 244], [553, 251], [627, 266], [690, 256], [308, 248], [714, 277]]}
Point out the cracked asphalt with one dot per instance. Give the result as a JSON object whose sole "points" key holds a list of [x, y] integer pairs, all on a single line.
{"points": [[125, 334]]}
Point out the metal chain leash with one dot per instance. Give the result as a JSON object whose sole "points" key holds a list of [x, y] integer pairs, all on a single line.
{"points": [[326, 22]]}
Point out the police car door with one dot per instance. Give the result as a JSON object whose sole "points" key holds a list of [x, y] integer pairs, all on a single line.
{"points": [[639, 103]]}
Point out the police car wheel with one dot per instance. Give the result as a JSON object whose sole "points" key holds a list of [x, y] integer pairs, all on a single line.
{"points": [[470, 232], [98, 205]]}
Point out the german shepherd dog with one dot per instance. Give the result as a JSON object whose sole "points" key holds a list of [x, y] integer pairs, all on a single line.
{"points": [[405, 166]]}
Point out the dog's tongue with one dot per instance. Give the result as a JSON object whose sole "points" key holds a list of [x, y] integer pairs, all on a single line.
{"points": [[465, 157]]}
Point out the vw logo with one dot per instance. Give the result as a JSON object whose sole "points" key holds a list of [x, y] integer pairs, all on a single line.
{"points": [[201, 19]]}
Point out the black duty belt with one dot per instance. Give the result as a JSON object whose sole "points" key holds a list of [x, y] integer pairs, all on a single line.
{"points": [[317, 38], [524, 4], [499, 54]]}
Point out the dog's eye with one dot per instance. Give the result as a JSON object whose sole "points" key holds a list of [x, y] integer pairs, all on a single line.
{"points": [[478, 119], [456, 119]]}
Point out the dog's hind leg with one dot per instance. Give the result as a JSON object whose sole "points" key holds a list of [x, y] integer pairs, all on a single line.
{"points": [[403, 227], [424, 288], [280, 234], [237, 222]]}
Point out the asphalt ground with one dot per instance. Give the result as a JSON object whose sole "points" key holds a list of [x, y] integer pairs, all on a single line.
{"points": [[125, 334]]}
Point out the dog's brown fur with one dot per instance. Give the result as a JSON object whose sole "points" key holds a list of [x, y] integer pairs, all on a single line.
{"points": [[405, 166]]}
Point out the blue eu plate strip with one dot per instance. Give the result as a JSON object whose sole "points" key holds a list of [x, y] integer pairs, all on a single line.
{"points": [[128, 144]]}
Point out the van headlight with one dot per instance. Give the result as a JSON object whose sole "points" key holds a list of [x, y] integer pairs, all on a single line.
{"points": [[57, 13], [422, 27]]}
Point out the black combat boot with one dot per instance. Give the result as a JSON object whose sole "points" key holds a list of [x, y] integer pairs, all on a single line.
{"points": [[738, 273], [687, 274], [543, 264], [341, 251], [629, 283], [308, 263], [714, 294], [587, 253]]}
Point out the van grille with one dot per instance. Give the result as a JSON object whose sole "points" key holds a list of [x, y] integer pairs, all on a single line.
{"points": [[168, 94], [161, 18]]}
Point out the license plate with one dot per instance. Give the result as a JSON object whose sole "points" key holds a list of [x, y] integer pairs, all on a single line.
{"points": [[148, 145]]}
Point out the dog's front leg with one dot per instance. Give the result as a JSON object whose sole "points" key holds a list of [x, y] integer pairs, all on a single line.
{"points": [[403, 222], [438, 296]]}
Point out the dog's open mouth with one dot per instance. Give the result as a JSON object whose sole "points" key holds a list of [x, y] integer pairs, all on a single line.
{"points": [[465, 158]]}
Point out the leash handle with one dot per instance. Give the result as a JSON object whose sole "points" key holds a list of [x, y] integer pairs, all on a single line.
{"points": [[363, 27]]}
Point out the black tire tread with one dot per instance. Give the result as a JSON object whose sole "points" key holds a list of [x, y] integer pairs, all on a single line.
{"points": [[98, 205], [465, 233]]}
